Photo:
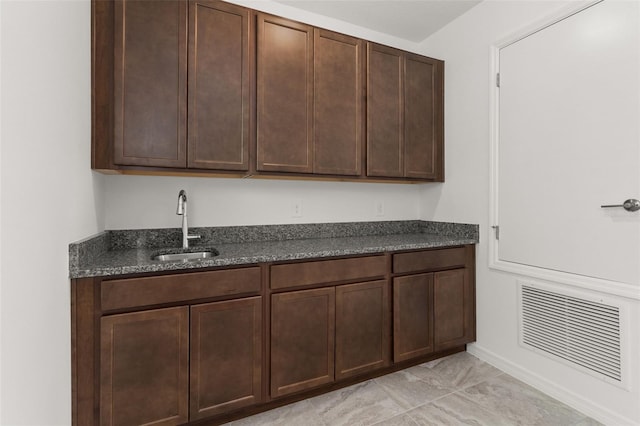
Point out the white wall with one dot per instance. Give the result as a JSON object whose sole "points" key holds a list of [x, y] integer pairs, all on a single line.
{"points": [[49, 197], [465, 46], [150, 202], [270, 6]]}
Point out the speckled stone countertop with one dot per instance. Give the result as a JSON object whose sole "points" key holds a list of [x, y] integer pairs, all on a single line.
{"points": [[130, 251]]}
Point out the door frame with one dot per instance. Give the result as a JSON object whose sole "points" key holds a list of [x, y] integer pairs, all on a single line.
{"points": [[584, 282]]}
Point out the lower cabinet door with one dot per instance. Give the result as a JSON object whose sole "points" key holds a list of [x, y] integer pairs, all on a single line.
{"points": [[302, 340], [144, 368], [454, 309], [362, 328], [412, 316], [226, 356]]}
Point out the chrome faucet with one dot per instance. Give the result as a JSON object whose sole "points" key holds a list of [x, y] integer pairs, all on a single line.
{"points": [[182, 211]]}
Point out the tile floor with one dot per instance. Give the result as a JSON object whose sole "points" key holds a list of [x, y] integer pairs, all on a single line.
{"points": [[459, 389]]}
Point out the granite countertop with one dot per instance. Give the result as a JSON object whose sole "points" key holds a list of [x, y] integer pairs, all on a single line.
{"points": [[128, 252]]}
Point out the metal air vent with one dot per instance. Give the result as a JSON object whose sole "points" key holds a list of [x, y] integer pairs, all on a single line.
{"points": [[583, 332]]}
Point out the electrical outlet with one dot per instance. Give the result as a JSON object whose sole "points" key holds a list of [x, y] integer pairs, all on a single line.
{"points": [[379, 208], [296, 208]]}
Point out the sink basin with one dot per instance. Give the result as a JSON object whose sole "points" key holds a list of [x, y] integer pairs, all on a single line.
{"points": [[169, 257]]}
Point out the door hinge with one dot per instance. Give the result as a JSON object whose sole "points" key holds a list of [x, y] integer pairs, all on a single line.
{"points": [[497, 229], [497, 79]]}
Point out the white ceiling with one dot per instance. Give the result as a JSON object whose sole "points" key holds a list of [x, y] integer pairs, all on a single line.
{"points": [[412, 20]]}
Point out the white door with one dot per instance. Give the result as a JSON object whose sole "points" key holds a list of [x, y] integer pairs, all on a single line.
{"points": [[569, 142]]}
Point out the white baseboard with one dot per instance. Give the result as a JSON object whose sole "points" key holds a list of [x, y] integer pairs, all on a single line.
{"points": [[587, 407]]}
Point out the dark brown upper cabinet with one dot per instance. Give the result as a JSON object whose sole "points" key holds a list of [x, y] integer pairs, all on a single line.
{"points": [[168, 55], [285, 95], [219, 86], [384, 111], [423, 118], [404, 115], [310, 97], [338, 96], [209, 87], [150, 83]]}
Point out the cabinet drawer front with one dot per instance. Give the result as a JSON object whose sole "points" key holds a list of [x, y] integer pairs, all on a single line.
{"points": [[327, 271], [128, 293], [429, 260]]}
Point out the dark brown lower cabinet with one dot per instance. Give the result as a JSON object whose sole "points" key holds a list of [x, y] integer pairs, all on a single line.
{"points": [[453, 308], [412, 316], [302, 340], [432, 312], [362, 328], [152, 373], [226, 356], [329, 322], [144, 367]]}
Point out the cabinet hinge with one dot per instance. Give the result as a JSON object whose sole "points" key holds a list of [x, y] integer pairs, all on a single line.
{"points": [[497, 79], [497, 229]]}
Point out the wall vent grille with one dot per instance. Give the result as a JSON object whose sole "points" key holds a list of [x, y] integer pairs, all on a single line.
{"points": [[580, 331]]}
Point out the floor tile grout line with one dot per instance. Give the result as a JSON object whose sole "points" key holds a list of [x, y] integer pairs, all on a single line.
{"points": [[405, 412], [459, 391], [326, 423], [384, 388], [459, 374], [433, 370]]}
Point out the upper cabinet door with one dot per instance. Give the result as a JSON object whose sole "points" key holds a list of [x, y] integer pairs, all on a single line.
{"points": [[384, 111], [219, 79], [422, 125], [150, 44], [338, 103], [285, 95], [405, 124]]}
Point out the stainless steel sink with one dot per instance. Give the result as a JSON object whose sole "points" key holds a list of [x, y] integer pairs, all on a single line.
{"points": [[176, 257]]}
